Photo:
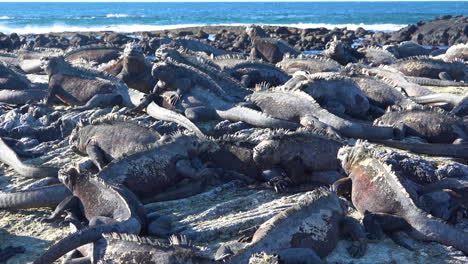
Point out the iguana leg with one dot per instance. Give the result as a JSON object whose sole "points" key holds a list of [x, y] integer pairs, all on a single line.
{"points": [[82, 260], [100, 100], [445, 76], [69, 203], [342, 187], [354, 229], [376, 224], [162, 227], [52, 90], [299, 255], [96, 155]]}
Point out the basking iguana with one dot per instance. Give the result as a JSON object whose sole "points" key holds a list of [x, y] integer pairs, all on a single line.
{"points": [[108, 207], [297, 106], [133, 69], [434, 125], [378, 188], [94, 54], [129, 248], [309, 230]]}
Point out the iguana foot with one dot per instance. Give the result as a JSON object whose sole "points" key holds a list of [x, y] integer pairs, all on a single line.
{"points": [[357, 249], [280, 184], [247, 234]]}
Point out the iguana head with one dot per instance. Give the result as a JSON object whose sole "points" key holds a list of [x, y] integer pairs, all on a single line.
{"points": [[75, 139], [255, 31], [133, 49], [267, 153], [163, 71], [52, 65], [71, 177]]}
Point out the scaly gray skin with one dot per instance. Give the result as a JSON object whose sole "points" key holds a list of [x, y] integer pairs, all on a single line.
{"points": [[200, 104], [109, 138], [133, 69], [88, 89], [397, 79], [189, 62], [251, 72], [162, 165], [197, 45], [266, 48], [15, 88], [434, 125], [108, 207], [335, 92], [95, 54], [9, 157], [300, 107], [381, 94], [432, 68], [127, 248], [341, 52], [78, 87], [456, 52], [377, 188], [407, 49], [182, 78], [377, 56], [308, 63], [48, 196], [312, 228], [459, 103], [299, 154], [434, 82], [447, 150]]}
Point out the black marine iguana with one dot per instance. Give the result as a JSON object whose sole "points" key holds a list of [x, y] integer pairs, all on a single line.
{"points": [[266, 48], [423, 66], [129, 248], [297, 106], [307, 232], [95, 54], [200, 97], [133, 69], [308, 63], [377, 188], [300, 154], [108, 207], [434, 125]]}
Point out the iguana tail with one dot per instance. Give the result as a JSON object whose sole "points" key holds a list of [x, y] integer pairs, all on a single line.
{"points": [[9, 157], [438, 98], [448, 150], [48, 196], [20, 97], [85, 236]]}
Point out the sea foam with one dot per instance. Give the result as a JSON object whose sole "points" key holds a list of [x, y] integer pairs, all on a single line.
{"points": [[141, 27]]}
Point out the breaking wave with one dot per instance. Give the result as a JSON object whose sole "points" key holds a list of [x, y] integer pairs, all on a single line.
{"points": [[141, 27]]}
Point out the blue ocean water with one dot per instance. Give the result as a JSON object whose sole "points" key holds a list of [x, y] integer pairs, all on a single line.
{"points": [[129, 17]]}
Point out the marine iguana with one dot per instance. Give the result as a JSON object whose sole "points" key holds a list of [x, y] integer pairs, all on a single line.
{"points": [[380, 93], [197, 45], [308, 230], [456, 52], [15, 88], [189, 61], [211, 102], [341, 52], [108, 207], [335, 92], [133, 69], [266, 48], [378, 188], [308, 63], [88, 88], [434, 82], [397, 79], [422, 66], [109, 138], [376, 56], [297, 106], [251, 72], [434, 125], [459, 103], [129, 248], [407, 49], [300, 154], [94, 54]]}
